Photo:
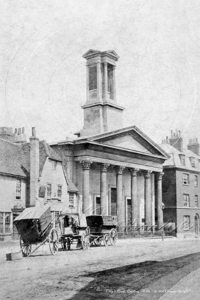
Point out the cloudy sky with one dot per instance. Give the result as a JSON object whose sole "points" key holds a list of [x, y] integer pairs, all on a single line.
{"points": [[42, 71]]}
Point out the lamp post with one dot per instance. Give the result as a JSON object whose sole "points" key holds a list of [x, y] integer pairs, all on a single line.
{"points": [[163, 207]]}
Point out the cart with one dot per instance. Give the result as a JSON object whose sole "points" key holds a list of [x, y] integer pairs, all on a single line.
{"points": [[35, 227], [74, 230], [102, 229]]}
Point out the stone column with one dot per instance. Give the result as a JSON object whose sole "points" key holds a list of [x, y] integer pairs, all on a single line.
{"points": [[103, 189], [159, 199], [87, 83], [148, 198], [87, 205], [153, 199], [134, 197], [105, 81], [114, 83], [99, 82], [120, 200]]}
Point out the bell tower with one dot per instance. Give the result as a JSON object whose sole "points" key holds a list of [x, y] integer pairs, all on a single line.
{"points": [[101, 111]]}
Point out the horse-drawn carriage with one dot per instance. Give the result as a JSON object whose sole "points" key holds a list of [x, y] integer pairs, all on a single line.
{"points": [[35, 227], [102, 229], [73, 229]]}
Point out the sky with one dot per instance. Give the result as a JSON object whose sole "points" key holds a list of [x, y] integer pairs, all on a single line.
{"points": [[43, 73]]}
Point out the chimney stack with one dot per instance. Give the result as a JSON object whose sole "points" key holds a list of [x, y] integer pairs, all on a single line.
{"points": [[176, 140], [194, 146], [34, 167], [6, 133], [19, 135]]}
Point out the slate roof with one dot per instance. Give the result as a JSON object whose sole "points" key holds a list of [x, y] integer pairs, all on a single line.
{"points": [[11, 159], [15, 158], [175, 158]]}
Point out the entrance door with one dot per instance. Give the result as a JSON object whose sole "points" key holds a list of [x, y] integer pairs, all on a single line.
{"points": [[113, 201], [98, 205], [129, 214], [196, 224]]}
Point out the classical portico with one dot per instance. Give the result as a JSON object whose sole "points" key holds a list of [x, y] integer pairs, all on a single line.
{"points": [[118, 172]]}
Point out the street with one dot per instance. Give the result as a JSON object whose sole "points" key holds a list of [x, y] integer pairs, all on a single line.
{"points": [[133, 269]]}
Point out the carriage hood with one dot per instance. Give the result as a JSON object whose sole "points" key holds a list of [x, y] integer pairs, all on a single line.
{"points": [[43, 214]]}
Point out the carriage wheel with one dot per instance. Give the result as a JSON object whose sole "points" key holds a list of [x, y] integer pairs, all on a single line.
{"points": [[53, 241], [85, 242], [25, 248], [97, 242], [87, 230], [63, 243], [68, 244], [113, 236], [106, 239]]}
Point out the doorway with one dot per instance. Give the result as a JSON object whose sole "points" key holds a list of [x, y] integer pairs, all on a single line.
{"points": [[98, 205], [129, 212], [113, 202]]}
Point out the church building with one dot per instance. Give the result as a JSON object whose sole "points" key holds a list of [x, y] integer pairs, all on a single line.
{"points": [[116, 170]]}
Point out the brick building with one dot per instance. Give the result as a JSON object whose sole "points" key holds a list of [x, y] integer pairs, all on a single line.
{"points": [[116, 170], [30, 174], [181, 184]]}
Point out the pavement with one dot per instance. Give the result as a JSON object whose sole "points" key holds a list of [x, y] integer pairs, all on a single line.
{"points": [[186, 289]]}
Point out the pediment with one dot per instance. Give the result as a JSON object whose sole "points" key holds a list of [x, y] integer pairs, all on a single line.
{"points": [[112, 53], [93, 52], [127, 142], [132, 139], [90, 53]]}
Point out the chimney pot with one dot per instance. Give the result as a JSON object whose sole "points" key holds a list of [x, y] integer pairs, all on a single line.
{"points": [[33, 132], [23, 130], [19, 130]]}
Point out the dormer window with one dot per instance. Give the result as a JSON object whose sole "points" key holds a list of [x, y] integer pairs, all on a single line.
{"points": [[182, 159], [192, 161]]}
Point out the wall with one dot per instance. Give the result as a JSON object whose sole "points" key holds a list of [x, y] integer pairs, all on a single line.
{"points": [[8, 193], [55, 177], [8, 202], [169, 196], [181, 210]]}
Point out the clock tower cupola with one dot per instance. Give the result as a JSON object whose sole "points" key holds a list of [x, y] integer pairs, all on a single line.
{"points": [[101, 111]]}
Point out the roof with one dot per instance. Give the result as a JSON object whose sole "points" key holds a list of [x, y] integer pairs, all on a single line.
{"points": [[175, 158], [101, 137], [71, 187], [15, 158], [44, 151], [11, 159], [91, 53]]}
